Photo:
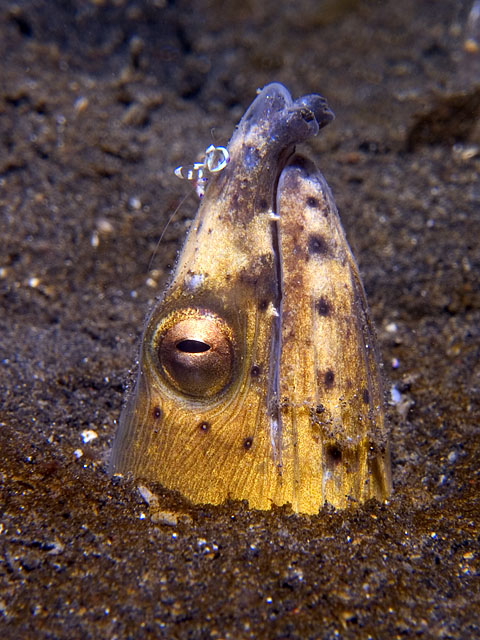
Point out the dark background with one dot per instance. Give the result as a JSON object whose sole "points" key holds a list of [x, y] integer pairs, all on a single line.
{"points": [[99, 102]]}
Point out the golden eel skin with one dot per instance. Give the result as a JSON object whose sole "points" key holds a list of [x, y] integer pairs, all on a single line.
{"points": [[259, 377]]}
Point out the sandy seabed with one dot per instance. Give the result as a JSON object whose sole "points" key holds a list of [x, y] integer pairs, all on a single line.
{"points": [[99, 101]]}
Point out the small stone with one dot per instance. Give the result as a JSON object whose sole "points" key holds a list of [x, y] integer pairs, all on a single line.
{"points": [[80, 104], [150, 498], [135, 203], [88, 435], [94, 240], [165, 517], [395, 395]]}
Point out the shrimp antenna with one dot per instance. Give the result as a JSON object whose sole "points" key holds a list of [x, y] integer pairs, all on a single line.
{"points": [[180, 204]]}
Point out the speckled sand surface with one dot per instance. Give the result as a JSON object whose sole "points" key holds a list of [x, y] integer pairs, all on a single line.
{"points": [[99, 101]]}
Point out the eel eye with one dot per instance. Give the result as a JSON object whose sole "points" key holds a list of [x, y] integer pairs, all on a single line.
{"points": [[195, 351]]}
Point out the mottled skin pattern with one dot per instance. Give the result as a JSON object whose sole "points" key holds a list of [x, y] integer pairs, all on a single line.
{"points": [[330, 379], [291, 410]]}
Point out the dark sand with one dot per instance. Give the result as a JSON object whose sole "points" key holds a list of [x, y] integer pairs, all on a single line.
{"points": [[99, 101]]}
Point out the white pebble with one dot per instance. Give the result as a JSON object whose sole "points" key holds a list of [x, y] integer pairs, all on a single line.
{"points": [[149, 497], [135, 203], [104, 225], [88, 435], [94, 240], [395, 395]]}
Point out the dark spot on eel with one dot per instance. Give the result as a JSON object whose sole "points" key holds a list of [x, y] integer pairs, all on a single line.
{"points": [[329, 378], [334, 453], [323, 307], [247, 443], [365, 396], [262, 305], [317, 245]]}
